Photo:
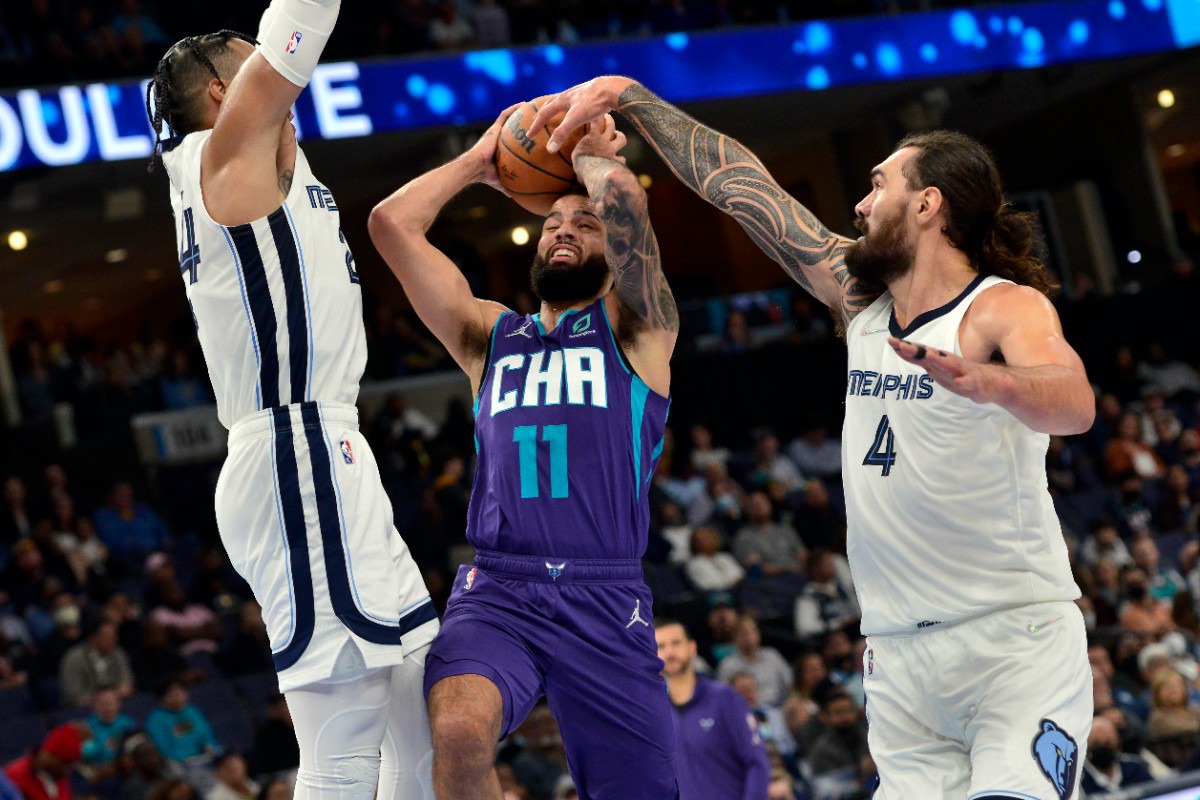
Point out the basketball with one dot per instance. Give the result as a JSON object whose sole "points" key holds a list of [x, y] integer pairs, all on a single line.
{"points": [[534, 177]]}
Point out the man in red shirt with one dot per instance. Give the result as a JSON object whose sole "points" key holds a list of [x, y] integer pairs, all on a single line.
{"points": [[45, 772]]}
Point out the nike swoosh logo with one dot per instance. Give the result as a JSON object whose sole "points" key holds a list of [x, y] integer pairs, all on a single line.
{"points": [[869, 331], [1036, 628]]}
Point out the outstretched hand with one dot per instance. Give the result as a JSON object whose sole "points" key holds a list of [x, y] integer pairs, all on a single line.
{"points": [[603, 140], [983, 383], [483, 152], [582, 104]]}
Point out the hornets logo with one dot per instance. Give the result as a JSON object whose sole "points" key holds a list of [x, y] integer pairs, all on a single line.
{"points": [[1055, 752]]}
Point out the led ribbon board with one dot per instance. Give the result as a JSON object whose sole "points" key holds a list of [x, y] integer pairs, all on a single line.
{"points": [[76, 124]]}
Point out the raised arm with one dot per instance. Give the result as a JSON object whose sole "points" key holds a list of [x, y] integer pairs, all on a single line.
{"points": [[248, 162], [730, 177], [1042, 380], [640, 302], [437, 289]]}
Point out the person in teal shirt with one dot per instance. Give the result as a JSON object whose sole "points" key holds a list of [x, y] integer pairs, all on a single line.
{"points": [[178, 729], [109, 728]]}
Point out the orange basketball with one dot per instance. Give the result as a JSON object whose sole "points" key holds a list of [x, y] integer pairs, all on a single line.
{"points": [[534, 177]]}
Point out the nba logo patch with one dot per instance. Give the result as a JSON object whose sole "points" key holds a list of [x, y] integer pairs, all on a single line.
{"points": [[294, 42], [870, 661], [347, 452], [471, 578]]}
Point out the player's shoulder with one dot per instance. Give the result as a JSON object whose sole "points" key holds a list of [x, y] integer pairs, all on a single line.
{"points": [[1004, 305]]}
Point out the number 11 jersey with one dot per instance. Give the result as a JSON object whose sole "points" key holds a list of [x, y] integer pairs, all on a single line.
{"points": [[568, 437]]}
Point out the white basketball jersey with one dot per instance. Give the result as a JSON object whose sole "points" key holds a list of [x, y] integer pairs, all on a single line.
{"points": [[276, 302], [949, 514]]}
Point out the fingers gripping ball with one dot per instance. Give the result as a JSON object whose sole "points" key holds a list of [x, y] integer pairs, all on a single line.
{"points": [[534, 177]]}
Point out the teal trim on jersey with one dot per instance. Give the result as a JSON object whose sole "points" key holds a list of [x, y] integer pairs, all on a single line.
{"points": [[625, 365], [487, 369], [542, 328], [638, 392]]}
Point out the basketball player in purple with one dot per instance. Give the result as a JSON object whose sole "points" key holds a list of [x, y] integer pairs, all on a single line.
{"points": [[570, 408]]}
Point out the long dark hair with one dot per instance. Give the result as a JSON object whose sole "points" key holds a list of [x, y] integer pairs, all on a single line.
{"points": [[179, 80], [998, 239]]}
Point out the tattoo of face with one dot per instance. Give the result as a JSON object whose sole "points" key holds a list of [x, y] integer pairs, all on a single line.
{"points": [[285, 181], [635, 262]]}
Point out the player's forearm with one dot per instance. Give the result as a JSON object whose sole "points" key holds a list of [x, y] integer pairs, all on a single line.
{"points": [[631, 246], [293, 33], [1050, 398], [414, 207]]}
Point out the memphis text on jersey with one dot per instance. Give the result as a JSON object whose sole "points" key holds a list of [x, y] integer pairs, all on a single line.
{"points": [[860, 383]]}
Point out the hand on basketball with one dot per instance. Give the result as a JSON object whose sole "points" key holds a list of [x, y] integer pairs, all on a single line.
{"points": [[983, 383], [603, 140], [582, 104], [483, 152]]}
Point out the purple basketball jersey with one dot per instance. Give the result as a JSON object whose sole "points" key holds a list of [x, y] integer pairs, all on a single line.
{"points": [[568, 437]]}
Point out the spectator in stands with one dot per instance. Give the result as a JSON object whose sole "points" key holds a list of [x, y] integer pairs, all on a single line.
{"points": [[248, 651], [232, 782], [842, 745], [765, 547], [770, 670], [1104, 543], [719, 754], [770, 464], [15, 519], [709, 568], [131, 529], [1173, 725], [109, 727], [275, 789], [772, 727], [492, 27], [45, 772], [192, 628], [1107, 769], [1172, 376], [815, 453], [827, 602], [275, 748], [67, 632], [75, 537], [448, 30], [1142, 613], [156, 661], [181, 385], [1164, 583], [704, 452], [541, 760], [1177, 508], [179, 730], [720, 503], [148, 769], [720, 628], [95, 665], [1127, 452]]}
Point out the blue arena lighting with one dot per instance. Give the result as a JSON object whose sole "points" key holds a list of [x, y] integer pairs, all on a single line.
{"points": [[60, 126]]}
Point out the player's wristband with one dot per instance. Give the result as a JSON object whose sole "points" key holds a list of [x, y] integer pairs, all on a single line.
{"points": [[293, 33]]}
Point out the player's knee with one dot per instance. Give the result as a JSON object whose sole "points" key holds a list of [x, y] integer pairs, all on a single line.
{"points": [[463, 739]]}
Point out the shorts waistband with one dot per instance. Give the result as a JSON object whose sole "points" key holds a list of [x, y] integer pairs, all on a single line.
{"points": [[293, 417], [547, 569]]}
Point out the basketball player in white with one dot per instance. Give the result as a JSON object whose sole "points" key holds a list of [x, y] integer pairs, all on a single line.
{"points": [[976, 673], [300, 506]]}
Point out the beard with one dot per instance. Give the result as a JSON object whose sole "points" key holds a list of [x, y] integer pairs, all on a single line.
{"points": [[882, 256], [559, 284]]}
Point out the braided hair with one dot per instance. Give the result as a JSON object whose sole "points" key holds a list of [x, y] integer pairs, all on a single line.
{"points": [[180, 79]]}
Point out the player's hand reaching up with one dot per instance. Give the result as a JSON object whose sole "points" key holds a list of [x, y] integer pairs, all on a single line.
{"points": [[584, 103], [983, 383], [603, 140], [483, 152]]}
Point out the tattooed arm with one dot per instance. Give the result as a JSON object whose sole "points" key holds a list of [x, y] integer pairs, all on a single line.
{"points": [[640, 303], [730, 177]]}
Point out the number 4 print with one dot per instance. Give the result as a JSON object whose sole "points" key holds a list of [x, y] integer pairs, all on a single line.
{"points": [[883, 451]]}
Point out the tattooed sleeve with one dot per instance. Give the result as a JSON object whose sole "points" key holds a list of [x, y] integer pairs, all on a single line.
{"points": [[731, 178]]}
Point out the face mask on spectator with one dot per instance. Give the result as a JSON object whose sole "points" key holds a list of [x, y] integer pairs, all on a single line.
{"points": [[1103, 757], [1136, 592]]}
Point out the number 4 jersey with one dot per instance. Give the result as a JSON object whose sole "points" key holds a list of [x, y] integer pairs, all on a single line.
{"points": [[568, 437], [949, 514], [276, 302]]}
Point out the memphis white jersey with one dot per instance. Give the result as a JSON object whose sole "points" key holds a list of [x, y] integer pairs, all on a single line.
{"points": [[948, 509], [300, 506], [276, 302]]}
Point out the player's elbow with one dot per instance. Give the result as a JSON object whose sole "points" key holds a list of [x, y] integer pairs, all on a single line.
{"points": [[388, 223]]}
